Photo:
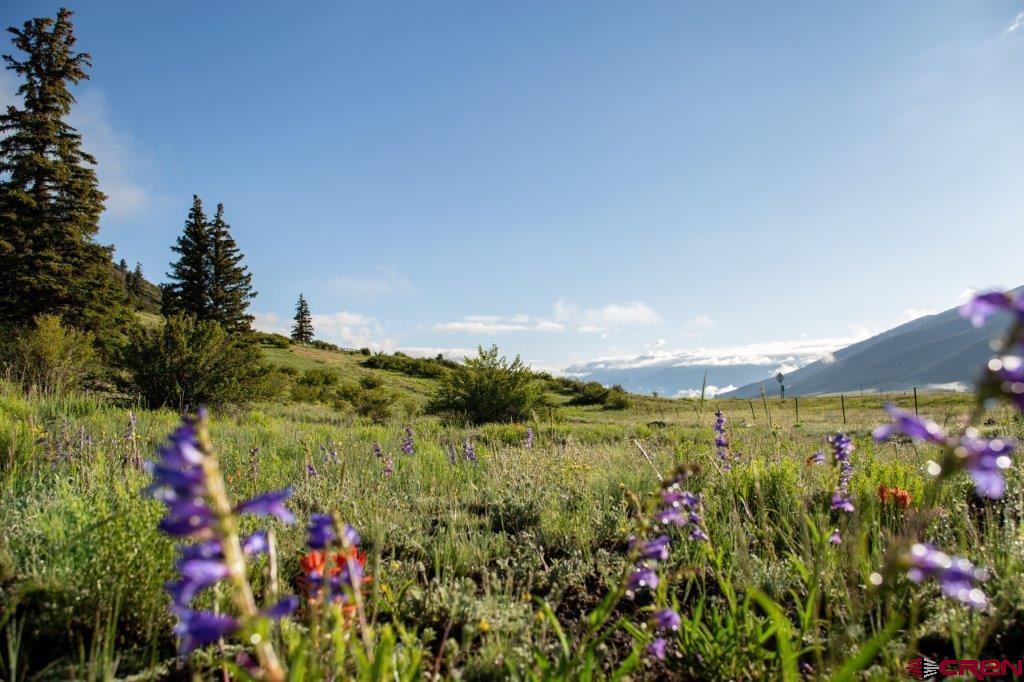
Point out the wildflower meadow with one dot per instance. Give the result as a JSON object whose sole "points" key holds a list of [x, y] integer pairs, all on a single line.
{"points": [[282, 541]]}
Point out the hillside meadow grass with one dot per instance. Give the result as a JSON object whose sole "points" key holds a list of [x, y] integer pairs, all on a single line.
{"points": [[466, 555]]}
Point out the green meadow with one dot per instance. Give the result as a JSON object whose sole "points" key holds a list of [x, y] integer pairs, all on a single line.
{"points": [[491, 569]]}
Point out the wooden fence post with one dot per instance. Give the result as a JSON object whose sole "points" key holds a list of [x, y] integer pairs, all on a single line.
{"points": [[842, 404], [796, 404], [915, 400]]}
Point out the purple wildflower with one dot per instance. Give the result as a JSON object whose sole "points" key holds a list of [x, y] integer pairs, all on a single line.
{"points": [[697, 533], [642, 577], [268, 504], [656, 549], [956, 575], [284, 607], [657, 648], [528, 444], [407, 444], [835, 538], [842, 446], [985, 460], [389, 467], [911, 425], [666, 619], [983, 306], [672, 516], [468, 451], [198, 628], [377, 451], [817, 458], [311, 470], [321, 530], [1007, 376], [721, 440], [840, 501]]}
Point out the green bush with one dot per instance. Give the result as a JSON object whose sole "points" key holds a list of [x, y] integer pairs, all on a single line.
{"points": [[51, 357], [185, 363], [428, 368], [315, 386], [617, 399], [273, 340], [373, 402], [590, 393], [489, 388]]}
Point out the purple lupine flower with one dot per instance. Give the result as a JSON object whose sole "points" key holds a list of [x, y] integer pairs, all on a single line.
{"points": [[656, 549], [190, 518], [910, 424], [407, 444], [389, 467], [641, 577], [672, 516], [198, 628], [840, 501], [468, 451], [835, 538], [657, 648], [721, 440], [284, 607], [321, 530], [268, 504], [528, 443], [985, 460], [666, 619], [1007, 374], [817, 458], [256, 543], [311, 470], [956, 575], [377, 451], [697, 533], [983, 306], [842, 447]]}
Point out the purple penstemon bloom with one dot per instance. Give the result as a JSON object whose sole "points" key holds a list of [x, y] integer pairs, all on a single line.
{"points": [[656, 549], [835, 538], [407, 444], [1007, 374], [672, 515], [983, 306], [842, 446], [985, 460], [956, 576], [377, 451], [910, 424], [666, 619], [657, 648], [468, 451], [268, 504], [721, 440], [642, 577], [528, 443], [842, 502], [697, 533], [198, 628], [321, 530], [817, 458]]}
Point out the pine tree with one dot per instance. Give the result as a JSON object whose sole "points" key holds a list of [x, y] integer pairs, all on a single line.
{"points": [[189, 291], [230, 281], [302, 331], [50, 201]]}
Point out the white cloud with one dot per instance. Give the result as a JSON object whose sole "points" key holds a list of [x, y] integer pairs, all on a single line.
{"points": [[496, 324], [611, 316], [120, 166], [789, 354], [349, 330], [1017, 24], [385, 281], [431, 352], [709, 391]]}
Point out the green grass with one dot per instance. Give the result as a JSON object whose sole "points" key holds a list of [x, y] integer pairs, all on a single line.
{"points": [[470, 549]]}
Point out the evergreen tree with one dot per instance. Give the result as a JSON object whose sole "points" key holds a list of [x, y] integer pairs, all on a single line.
{"points": [[50, 201], [302, 331], [230, 281], [189, 291]]}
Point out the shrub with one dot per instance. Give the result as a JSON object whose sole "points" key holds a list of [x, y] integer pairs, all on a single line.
{"points": [[374, 403], [590, 393], [273, 340], [428, 368], [315, 385], [617, 400], [185, 363], [52, 357], [369, 381], [489, 388]]}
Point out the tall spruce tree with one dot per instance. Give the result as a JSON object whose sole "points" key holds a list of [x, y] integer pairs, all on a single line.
{"points": [[50, 201], [302, 330], [230, 281], [190, 286]]}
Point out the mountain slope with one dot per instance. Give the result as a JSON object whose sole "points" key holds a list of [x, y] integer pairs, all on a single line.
{"points": [[930, 351]]}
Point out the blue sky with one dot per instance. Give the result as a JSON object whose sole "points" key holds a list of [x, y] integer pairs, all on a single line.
{"points": [[571, 180]]}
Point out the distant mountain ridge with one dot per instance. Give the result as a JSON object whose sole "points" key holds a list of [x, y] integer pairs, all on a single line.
{"points": [[932, 351]]}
